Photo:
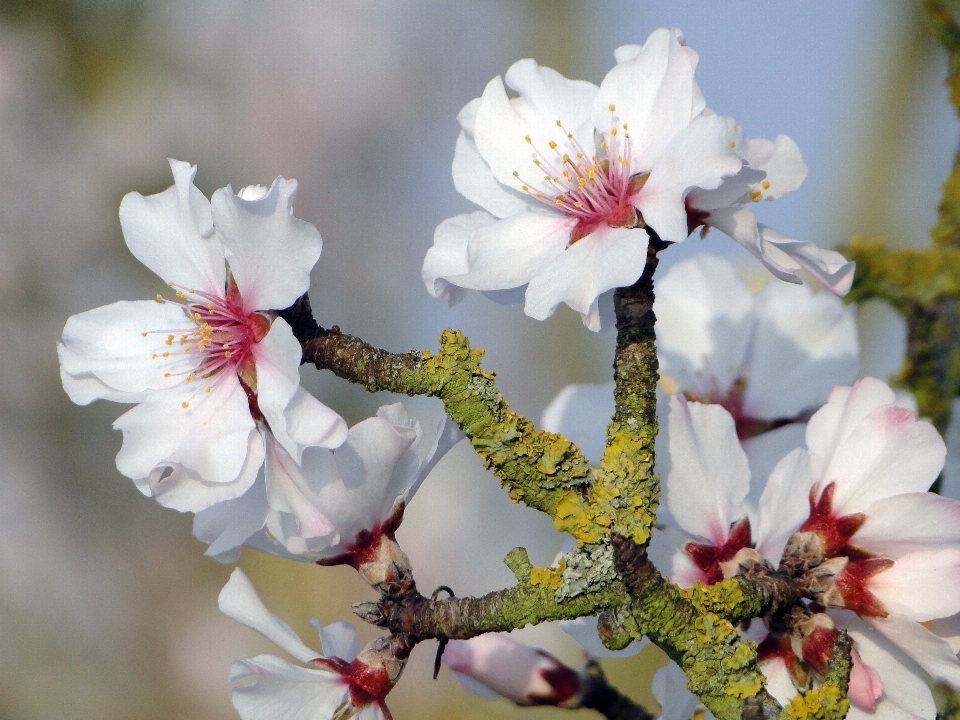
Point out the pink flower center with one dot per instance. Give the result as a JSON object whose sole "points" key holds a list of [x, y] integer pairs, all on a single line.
{"points": [[221, 334], [708, 558], [592, 188]]}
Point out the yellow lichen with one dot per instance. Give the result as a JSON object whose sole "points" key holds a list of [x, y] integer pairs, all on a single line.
{"points": [[548, 578], [823, 703]]}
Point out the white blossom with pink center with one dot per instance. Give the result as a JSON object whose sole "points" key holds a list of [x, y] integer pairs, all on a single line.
{"points": [[214, 374], [570, 174], [338, 684], [770, 170]]}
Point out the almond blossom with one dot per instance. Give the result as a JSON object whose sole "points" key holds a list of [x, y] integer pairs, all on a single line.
{"points": [[850, 512], [570, 175], [340, 684], [361, 489], [214, 373], [770, 170]]}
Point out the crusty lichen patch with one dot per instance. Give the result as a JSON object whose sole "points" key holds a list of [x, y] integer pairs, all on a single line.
{"points": [[823, 703]]}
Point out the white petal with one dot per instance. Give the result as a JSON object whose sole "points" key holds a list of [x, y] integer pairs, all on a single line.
{"points": [[474, 180], [288, 492], [207, 432], [448, 255], [581, 413], [284, 691], [271, 253], [783, 257], [948, 629], [338, 639], [783, 506], [883, 339], [584, 631], [805, 343], [903, 684], [502, 125], [709, 477], [240, 601], [910, 522], [704, 324], [448, 435], [510, 252], [311, 423], [779, 683], [765, 450], [653, 93], [116, 351], [172, 233], [606, 258], [226, 526], [670, 689], [699, 156], [937, 572], [931, 653], [780, 160]]}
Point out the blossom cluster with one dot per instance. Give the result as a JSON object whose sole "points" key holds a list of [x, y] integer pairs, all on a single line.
{"points": [[775, 455]]}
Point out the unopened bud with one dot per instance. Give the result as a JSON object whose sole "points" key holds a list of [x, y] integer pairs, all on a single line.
{"points": [[387, 568], [518, 672], [817, 635], [368, 611], [804, 551]]}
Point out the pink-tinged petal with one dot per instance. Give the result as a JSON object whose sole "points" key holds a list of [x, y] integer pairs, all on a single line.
{"points": [[905, 690], [887, 453], [882, 334], [865, 684], [284, 690], [922, 586], [116, 351], [584, 631], [699, 156], [509, 252], [780, 160], [338, 639], [606, 258], [226, 526], [271, 253], [684, 573], [804, 344], [930, 652], [951, 468], [502, 125], [172, 233], [778, 679], [704, 324], [784, 505], [709, 477], [653, 93], [908, 523], [239, 600], [511, 669], [670, 689], [947, 629], [448, 255], [846, 408], [784, 257], [206, 432], [289, 494], [581, 413], [474, 180]]}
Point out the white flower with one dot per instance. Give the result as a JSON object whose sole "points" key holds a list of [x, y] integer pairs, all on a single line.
{"points": [[569, 175], [215, 375], [496, 663], [770, 169], [337, 685], [360, 490]]}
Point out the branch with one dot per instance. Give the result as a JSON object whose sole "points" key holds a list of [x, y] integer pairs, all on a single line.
{"points": [[599, 695]]}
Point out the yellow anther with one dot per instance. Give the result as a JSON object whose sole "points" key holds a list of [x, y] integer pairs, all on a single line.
{"points": [[167, 374], [756, 195], [570, 136], [228, 354], [171, 283], [526, 189], [189, 350], [612, 108], [583, 181], [143, 334], [732, 144], [196, 315], [613, 131], [578, 204], [537, 163], [624, 126], [527, 138], [559, 201], [185, 404], [538, 196], [579, 156], [159, 297], [154, 356], [553, 145], [559, 124], [182, 295], [211, 306], [603, 146], [208, 389], [765, 184], [166, 354], [516, 174]]}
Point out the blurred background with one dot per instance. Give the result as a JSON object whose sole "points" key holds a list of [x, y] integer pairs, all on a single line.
{"points": [[107, 605]]}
